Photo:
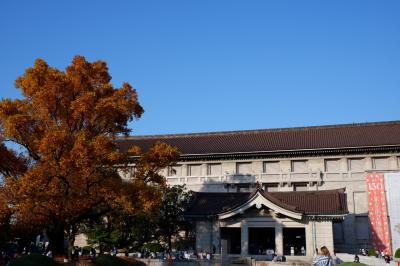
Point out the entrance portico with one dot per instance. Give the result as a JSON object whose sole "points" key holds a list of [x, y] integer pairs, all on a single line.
{"points": [[266, 223]]}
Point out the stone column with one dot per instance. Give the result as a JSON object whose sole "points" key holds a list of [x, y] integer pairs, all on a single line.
{"points": [[278, 239], [203, 235], [216, 237], [310, 245], [244, 239]]}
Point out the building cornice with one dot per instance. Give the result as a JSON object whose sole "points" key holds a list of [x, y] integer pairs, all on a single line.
{"points": [[292, 153]]}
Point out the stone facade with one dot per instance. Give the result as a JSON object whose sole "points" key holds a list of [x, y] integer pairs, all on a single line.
{"points": [[284, 160], [319, 173]]}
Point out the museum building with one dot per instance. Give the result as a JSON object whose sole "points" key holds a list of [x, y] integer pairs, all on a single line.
{"points": [[286, 191]]}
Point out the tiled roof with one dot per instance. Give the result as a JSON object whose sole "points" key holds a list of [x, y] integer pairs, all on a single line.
{"points": [[315, 202], [322, 202], [275, 140]]}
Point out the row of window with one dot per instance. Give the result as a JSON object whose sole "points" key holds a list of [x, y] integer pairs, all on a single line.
{"points": [[274, 167]]}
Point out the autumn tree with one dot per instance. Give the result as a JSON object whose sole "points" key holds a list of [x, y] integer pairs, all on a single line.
{"points": [[67, 124]]}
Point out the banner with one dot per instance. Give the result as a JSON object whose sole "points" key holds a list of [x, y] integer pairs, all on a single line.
{"points": [[392, 185], [378, 214]]}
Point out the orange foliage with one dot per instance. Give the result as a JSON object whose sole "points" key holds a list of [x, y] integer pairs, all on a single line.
{"points": [[67, 123]]}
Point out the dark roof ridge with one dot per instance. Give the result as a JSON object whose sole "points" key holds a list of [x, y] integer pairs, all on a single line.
{"points": [[339, 190], [255, 131], [326, 191]]}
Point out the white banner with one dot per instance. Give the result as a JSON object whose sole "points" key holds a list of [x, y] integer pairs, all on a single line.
{"points": [[392, 187]]}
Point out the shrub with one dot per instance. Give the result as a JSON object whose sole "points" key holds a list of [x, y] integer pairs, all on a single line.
{"points": [[153, 247], [115, 261], [371, 252], [86, 250], [397, 254], [34, 260], [352, 264], [123, 250]]}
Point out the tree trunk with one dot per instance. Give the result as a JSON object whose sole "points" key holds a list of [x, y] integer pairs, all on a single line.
{"points": [[71, 241], [169, 243], [56, 240]]}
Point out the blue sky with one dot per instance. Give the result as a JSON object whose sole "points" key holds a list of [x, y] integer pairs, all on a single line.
{"points": [[221, 65]]}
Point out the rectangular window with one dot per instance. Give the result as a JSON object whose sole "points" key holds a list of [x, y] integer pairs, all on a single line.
{"points": [[243, 168], [332, 165], [356, 164], [175, 170], [271, 187], [214, 169], [194, 170], [272, 167], [300, 187], [380, 163], [299, 166]]}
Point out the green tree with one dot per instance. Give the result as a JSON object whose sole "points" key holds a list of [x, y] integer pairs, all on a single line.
{"points": [[122, 229], [175, 200]]}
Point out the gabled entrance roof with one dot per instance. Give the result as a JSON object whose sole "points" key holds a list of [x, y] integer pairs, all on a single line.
{"points": [[260, 199], [332, 203]]}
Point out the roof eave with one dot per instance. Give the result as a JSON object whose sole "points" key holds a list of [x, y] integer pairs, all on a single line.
{"points": [[278, 153]]}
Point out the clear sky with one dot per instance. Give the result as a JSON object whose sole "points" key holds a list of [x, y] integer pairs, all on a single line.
{"points": [[221, 65]]}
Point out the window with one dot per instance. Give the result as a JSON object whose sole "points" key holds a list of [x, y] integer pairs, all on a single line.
{"points": [[356, 164], [128, 172], [194, 170], [332, 165], [271, 167], [380, 163], [299, 166], [300, 187], [243, 168], [214, 169], [174, 170], [271, 187]]}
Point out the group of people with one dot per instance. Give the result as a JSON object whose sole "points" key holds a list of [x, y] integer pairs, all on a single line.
{"points": [[379, 254], [77, 252], [323, 257], [185, 255]]}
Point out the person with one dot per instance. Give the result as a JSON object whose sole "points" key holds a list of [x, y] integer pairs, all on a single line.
{"points": [[170, 262], [303, 251], [75, 254], [387, 259], [324, 258], [114, 251], [49, 254], [93, 252]]}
